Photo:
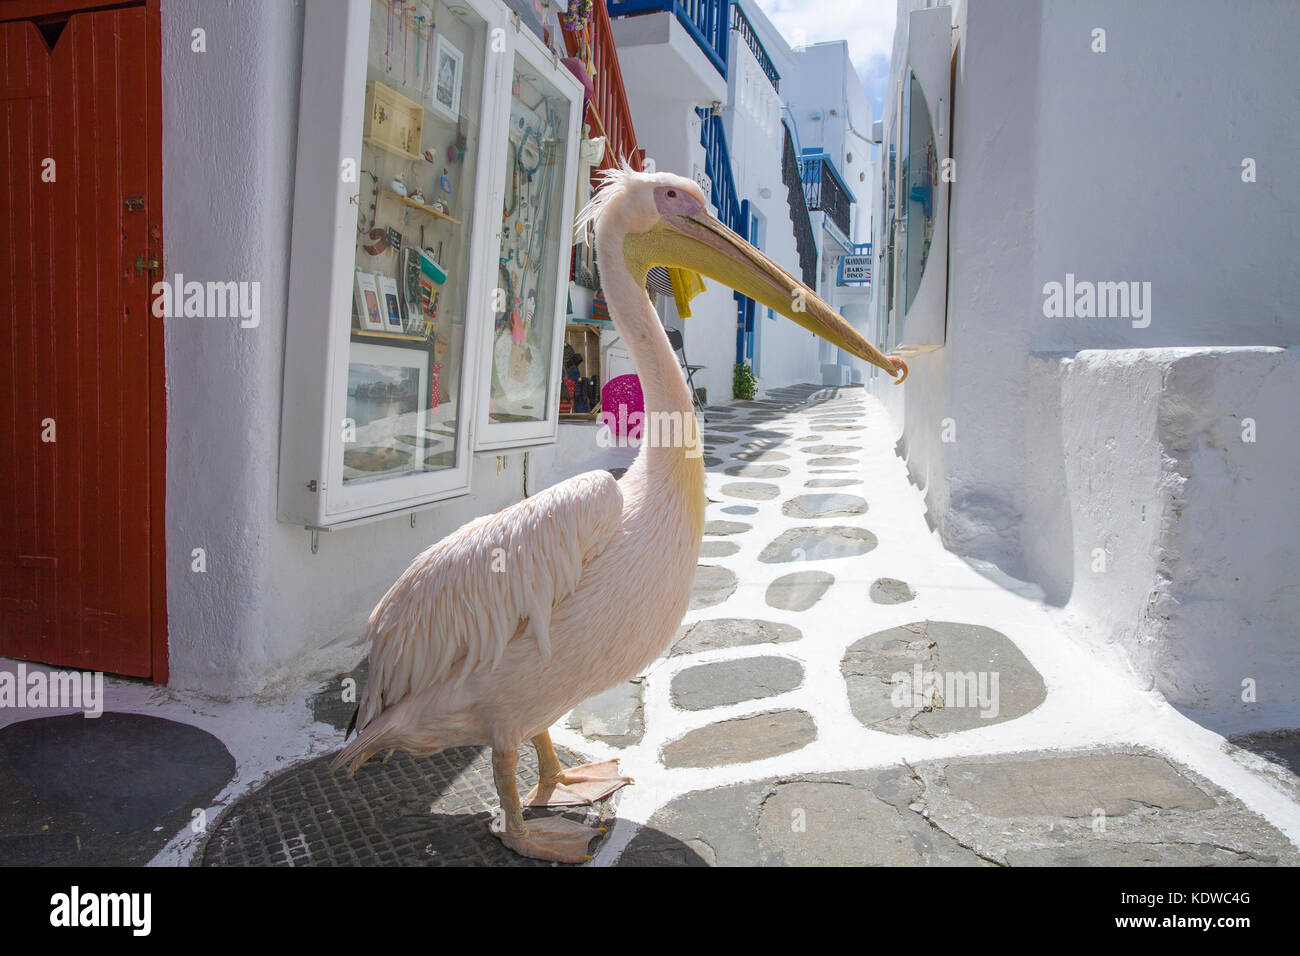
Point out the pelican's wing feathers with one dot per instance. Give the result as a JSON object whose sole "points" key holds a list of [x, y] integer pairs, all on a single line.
{"points": [[461, 602]]}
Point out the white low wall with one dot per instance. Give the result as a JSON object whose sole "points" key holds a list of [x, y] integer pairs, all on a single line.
{"points": [[1160, 495], [1038, 440]]}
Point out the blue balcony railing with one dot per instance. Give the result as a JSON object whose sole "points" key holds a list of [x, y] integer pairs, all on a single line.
{"points": [[825, 189], [732, 212], [717, 163], [707, 21]]}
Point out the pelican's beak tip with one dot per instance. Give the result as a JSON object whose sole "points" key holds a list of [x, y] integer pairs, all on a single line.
{"points": [[899, 365]]}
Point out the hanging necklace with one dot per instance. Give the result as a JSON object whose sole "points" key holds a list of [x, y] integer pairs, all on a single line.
{"points": [[388, 43], [523, 143], [374, 201], [514, 183], [404, 44]]}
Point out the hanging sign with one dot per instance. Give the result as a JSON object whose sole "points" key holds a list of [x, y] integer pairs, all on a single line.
{"points": [[855, 269]]}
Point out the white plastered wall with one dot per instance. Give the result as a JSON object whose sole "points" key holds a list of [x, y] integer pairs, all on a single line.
{"points": [[266, 610], [1070, 435]]}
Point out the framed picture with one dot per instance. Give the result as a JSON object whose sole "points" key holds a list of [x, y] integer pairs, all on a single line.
{"points": [[368, 302], [390, 306], [387, 398], [448, 67]]}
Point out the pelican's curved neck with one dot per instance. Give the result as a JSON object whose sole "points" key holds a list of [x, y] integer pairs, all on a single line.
{"points": [[662, 384], [667, 476]]}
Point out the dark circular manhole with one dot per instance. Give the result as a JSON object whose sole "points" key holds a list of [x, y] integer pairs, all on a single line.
{"points": [[107, 790], [426, 811]]}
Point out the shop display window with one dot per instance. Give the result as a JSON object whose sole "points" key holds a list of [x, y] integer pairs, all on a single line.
{"points": [[424, 325], [419, 160], [521, 369]]}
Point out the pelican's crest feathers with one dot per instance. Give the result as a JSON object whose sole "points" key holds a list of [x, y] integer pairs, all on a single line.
{"points": [[612, 183]]}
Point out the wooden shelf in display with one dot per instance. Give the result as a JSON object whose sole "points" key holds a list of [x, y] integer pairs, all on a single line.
{"points": [[390, 335], [415, 204], [393, 122]]}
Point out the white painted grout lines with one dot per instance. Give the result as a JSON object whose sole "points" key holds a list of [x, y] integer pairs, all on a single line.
{"points": [[1089, 702]]}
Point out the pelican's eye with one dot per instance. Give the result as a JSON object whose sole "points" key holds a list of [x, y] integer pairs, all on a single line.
{"points": [[671, 201]]}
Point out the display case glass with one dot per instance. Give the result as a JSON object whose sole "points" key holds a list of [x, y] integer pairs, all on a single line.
{"points": [[521, 359], [394, 373], [402, 397]]}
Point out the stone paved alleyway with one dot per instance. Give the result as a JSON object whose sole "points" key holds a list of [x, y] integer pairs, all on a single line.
{"points": [[843, 691], [788, 723]]}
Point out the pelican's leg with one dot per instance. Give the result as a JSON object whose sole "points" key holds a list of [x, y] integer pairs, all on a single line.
{"points": [[570, 788], [548, 838]]}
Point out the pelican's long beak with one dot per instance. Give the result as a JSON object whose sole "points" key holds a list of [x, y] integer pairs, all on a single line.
{"points": [[705, 245]]}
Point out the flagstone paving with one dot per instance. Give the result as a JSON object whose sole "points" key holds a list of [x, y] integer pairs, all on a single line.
{"points": [[824, 506], [798, 591], [891, 591], [842, 691], [983, 679], [749, 756], [741, 740], [718, 549], [730, 682], [718, 633]]}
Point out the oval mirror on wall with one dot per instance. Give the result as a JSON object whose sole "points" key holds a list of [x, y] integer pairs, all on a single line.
{"points": [[921, 173]]}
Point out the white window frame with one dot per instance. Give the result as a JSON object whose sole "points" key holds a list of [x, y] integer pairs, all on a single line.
{"points": [[322, 267], [490, 435]]}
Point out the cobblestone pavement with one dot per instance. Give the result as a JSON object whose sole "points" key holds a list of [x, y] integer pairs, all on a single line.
{"points": [[842, 691], [798, 719]]}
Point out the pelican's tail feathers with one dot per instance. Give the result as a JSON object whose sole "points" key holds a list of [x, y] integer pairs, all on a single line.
{"points": [[368, 743]]}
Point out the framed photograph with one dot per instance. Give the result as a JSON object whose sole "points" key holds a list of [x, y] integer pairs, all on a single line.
{"points": [[368, 310], [390, 306], [448, 67], [386, 402]]}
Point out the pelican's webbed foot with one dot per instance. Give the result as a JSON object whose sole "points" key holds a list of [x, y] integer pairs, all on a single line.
{"points": [[551, 838], [577, 786]]}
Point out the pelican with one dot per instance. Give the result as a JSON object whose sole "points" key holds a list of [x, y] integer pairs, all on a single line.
{"points": [[503, 626]]}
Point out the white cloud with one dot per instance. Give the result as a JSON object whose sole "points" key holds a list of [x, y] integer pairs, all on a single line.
{"points": [[867, 25]]}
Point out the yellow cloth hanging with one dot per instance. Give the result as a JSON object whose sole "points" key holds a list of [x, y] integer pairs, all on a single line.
{"points": [[686, 286]]}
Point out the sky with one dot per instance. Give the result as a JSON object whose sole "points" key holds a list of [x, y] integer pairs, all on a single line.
{"points": [[867, 25]]}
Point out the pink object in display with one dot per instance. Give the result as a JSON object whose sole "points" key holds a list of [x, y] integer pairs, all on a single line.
{"points": [[619, 399]]}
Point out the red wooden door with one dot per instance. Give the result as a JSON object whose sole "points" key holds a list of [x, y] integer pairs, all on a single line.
{"points": [[79, 505]]}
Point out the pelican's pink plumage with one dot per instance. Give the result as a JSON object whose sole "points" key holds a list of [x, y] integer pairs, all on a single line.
{"points": [[502, 627], [499, 629]]}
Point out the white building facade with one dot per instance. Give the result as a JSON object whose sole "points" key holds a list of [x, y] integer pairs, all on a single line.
{"points": [[681, 89], [1085, 243]]}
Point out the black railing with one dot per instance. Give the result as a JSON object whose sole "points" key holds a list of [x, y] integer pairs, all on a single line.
{"points": [[804, 241], [740, 23], [825, 190]]}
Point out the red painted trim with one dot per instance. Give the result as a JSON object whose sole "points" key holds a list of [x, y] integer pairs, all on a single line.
{"points": [[110, 615], [40, 10], [157, 357]]}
